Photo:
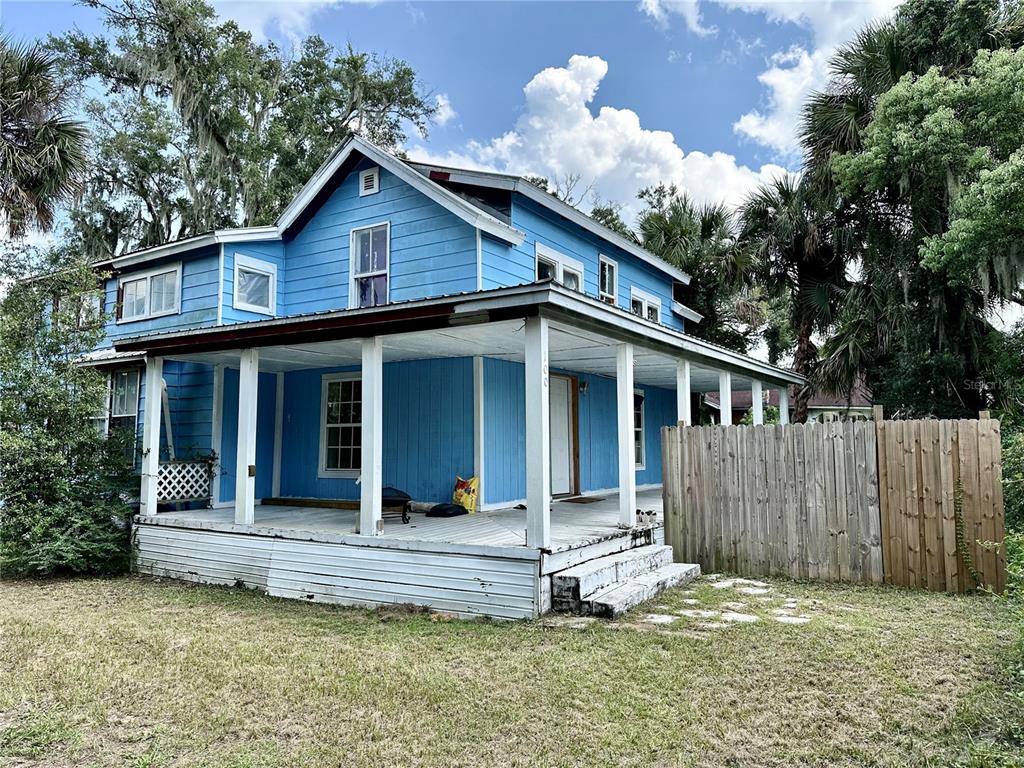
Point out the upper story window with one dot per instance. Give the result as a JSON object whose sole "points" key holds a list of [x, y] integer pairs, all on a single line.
{"points": [[90, 309], [255, 285], [149, 294], [608, 281], [645, 305], [552, 265], [341, 428], [369, 181], [370, 261]]}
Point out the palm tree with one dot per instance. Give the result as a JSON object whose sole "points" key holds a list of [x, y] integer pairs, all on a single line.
{"points": [[793, 258], [42, 151], [699, 239]]}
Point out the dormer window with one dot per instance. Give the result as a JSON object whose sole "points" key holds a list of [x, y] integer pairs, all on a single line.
{"points": [[559, 268], [370, 256], [608, 281], [149, 294], [369, 181], [255, 285]]}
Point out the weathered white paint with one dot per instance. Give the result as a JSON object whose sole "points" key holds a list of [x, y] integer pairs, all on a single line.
{"points": [[371, 468], [278, 429], [465, 584], [725, 397], [478, 424], [757, 401], [151, 435], [624, 412], [217, 419], [538, 439], [784, 405], [245, 461], [683, 393]]}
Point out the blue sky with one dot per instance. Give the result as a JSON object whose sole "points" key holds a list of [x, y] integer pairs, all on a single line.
{"points": [[623, 94]]}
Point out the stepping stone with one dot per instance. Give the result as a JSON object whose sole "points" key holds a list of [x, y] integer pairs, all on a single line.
{"points": [[712, 625], [792, 619], [690, 601], [764, 599], [741, 618], [569, 622], [697, 613], [658, 618], [783, 611], [734, 606], [753, 590], [729, 583]]}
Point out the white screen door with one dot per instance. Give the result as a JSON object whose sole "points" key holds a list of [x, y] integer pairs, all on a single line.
{"points": [[561, 435]]}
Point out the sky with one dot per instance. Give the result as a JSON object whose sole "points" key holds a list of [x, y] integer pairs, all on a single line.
{"points": [[623, 95]]}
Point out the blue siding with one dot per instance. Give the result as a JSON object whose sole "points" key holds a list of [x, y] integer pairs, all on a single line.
{"points": [[269, 251], [504, 431], [433, 252], [428, 430], [543, 226], [199, 288], [503, 266], [265, 412], [190, 398]]}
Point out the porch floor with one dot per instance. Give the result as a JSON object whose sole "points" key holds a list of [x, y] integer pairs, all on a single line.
{"points": [[572, 524]]}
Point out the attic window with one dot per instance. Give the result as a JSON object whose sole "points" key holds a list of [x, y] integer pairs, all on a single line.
{"points": [[369, 181]]}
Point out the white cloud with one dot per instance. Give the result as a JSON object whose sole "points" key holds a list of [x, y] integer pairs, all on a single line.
{"points": [[660, 12], [291, 19], [445, 113], [794, 73], [557, 134]]}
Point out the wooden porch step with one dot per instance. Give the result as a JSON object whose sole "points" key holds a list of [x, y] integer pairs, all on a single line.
{"points": [[615, 599], [569, 588]]}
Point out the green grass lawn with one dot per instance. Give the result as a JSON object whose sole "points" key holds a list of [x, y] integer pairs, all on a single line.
{"points": [[136, 672]]}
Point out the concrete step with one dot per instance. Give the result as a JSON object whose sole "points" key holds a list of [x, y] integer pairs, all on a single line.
{"points": [[617, 598], [569, 588]]}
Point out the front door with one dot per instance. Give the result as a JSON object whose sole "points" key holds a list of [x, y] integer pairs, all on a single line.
{"points": [[562, 437]]}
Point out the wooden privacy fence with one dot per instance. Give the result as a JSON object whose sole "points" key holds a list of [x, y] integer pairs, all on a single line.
{"points": [[840, 501]]}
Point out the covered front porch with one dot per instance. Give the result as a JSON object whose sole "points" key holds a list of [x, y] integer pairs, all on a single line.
{"points": [[541, 393]]}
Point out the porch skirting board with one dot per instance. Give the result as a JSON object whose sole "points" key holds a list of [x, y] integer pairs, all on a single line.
{"points": [[393, 573]]}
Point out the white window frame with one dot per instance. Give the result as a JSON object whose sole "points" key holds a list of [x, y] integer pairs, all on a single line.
{"points": [[133, 411], [353, 293], [369, 173], [322, 470], [647, 301], [250, 264], [641, 428], [104, 418], [148, 276], [561, 262], [614, 295]]}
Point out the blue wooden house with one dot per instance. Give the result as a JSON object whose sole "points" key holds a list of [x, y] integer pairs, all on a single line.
{"points": [[400, 325]]}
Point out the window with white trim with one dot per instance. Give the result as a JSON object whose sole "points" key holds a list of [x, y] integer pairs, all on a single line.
{"points": [[151, 294], [369, 181], [255, 285], [370, 257], [90, 308], [645, 305], [555, 266], [639, 445], [608, 280], [124, 401], [341, 427]]}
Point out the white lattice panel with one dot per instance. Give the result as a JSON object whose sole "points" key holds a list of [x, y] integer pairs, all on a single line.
{"points": [[184, 481]]}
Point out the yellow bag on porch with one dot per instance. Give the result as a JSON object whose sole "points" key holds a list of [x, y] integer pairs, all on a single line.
{"points": [[466, 493]]}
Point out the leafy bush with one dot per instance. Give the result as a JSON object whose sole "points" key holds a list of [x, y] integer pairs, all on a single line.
{"points": [[64, 488], [1013, 480]]}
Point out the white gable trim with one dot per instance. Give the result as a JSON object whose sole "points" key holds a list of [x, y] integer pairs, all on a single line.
{"points": [[465, 211], [538, 195]]}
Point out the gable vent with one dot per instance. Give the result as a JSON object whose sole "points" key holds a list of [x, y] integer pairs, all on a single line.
{"points": [[369, 181]]}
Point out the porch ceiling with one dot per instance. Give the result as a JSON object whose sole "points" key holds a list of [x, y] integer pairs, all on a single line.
{"points": [[571, 349]]}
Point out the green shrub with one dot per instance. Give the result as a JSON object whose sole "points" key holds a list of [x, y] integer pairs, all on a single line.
{"points": [[1013, 480], [64, 488]]}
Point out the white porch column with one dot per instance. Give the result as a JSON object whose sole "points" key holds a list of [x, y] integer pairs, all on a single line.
{"points": [[784, 405], [757, 401], [538, 435], [151, 435], [627, 455], [725, 397], [245, 456], [371, 468], [683, 398], [478, 426]]}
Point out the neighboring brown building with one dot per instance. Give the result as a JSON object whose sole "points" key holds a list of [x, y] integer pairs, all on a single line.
{"points": [[821, 407]]}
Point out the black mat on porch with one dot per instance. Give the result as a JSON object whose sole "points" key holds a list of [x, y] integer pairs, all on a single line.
{"points": [[583, 499]]}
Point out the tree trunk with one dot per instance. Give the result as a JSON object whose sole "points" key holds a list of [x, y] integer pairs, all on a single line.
{"points": [[803, 361]]}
